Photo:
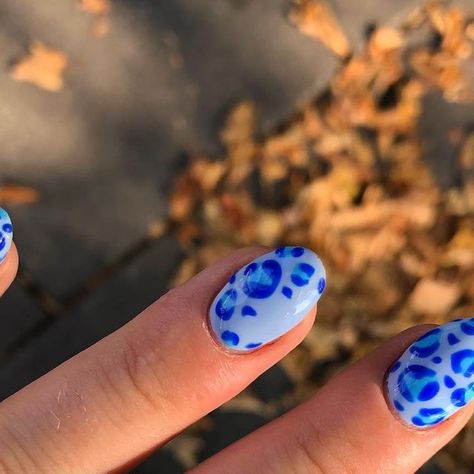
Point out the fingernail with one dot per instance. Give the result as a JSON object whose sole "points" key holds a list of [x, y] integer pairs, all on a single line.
{"points": [[433, 379], [267, 297], [6, 233]]}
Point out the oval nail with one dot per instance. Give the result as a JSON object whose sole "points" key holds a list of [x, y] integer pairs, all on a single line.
{"points": [[6, 233], [433, 378], [267, 297]]}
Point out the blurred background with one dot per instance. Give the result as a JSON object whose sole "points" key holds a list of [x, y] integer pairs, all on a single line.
{"points": [[142, 140]]}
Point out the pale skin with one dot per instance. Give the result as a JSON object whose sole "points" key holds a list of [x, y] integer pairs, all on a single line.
{"points": [[110, 406]]}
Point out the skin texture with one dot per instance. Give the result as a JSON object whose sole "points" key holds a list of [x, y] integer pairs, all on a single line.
{"points": [[137, 387], [109, 406], [345, 427]]}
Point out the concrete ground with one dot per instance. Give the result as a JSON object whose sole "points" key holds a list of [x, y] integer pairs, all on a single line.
{"points": [[103, 151]]}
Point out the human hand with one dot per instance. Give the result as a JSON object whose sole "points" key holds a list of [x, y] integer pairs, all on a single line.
{"points": [[111, 405]]}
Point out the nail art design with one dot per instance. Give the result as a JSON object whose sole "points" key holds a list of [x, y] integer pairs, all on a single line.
{"points": [[6, 233], [434, 376], [267, 297]]}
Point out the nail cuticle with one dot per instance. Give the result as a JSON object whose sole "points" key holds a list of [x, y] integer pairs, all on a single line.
{"points": [[266, 298], [6, 233], [432, 379]]}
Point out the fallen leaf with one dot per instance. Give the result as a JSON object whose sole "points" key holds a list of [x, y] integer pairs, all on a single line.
{"points": [[43, 66], [99, 10], [434, 297], [15, 194], [316, 19], [385, 39], [100, 26], [95, 7]]}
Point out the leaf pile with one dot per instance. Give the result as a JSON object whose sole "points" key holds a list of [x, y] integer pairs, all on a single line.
{"points": [[346, 177]]}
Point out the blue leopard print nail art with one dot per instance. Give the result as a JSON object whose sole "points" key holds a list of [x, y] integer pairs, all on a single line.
{"points": [[6, 233], [434, 376], [267, 297]]}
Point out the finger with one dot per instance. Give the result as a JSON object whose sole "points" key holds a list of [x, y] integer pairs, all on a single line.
{"points": [[350, 426], [8, 269], [8, 253], [149, 380]]}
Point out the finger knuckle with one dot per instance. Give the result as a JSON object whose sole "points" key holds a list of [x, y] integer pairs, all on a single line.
{"points": [[140, 371]]}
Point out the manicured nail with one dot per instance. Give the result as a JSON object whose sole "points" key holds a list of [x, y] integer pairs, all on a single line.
{"points": [[267, 297], [433, 378], [6, 233]]}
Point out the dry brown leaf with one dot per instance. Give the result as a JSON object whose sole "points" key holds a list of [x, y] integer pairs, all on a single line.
{"points": [[43, 66], [16, 194], [316, 19], [100, 26], [95, 7], [100, 10], [434, 297], [470, 30], [419, 214], [385, 39], [157, 229], [183, 198], [240, 125], [466, 157]]}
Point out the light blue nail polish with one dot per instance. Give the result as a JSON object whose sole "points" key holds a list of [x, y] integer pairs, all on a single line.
{"points": [[267, 297], [434, 377], [6, 233]]}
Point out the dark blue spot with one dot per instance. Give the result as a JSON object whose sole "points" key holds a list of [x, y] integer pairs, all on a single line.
{"points": [[3, 242], [467, 327], [437, 360], [416, 420], [429, 334], [395, 366], [289, 251], [280, 251], [462, 362], [283, 251], [398, 405], [449, 382], [251, 268], [288, 292], [230, 338], [232, 279], [431, 411], [226, 305], [297, 251], [429, 416], [253, 345], [8, 228], [417, 382], [462, 396], [428, 391], [302, 274], [248, 311], [427, 344], [458, 397], [321, 285], [262, 279], [452, 339]]}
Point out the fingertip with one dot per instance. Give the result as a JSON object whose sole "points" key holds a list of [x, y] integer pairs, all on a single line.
{"points": [[8, 268]]}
